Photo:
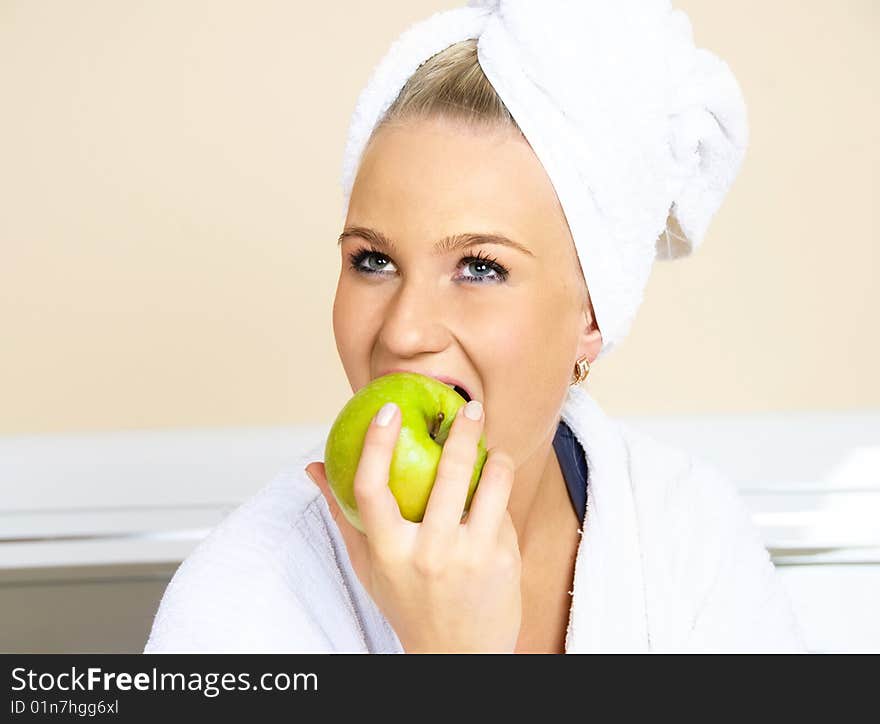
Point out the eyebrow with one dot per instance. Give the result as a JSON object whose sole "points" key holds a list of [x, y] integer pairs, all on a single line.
{"points": [[444, 246]]}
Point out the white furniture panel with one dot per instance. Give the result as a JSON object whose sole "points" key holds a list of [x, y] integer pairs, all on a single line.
{"points": [[101, 520]]}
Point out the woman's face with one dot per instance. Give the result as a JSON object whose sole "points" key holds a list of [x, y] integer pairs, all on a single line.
{"points": [[508, 322]]}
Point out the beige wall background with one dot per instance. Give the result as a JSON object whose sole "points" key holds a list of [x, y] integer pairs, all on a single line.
{"points": [[169, 202]]}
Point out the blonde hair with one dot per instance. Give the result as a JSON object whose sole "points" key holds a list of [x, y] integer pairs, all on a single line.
{"points": [[451, 84]]}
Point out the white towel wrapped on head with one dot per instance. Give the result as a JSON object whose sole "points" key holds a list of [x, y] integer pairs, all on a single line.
{"points": [[634, 125]]}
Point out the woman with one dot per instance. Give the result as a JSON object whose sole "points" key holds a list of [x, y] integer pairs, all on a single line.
{"points": [[466, 250]]}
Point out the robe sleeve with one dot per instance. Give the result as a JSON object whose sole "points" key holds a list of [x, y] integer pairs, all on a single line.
{"points": [[741, 604]]}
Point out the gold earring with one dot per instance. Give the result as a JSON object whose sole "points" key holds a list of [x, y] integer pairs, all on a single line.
{"points": [[581, 370]]}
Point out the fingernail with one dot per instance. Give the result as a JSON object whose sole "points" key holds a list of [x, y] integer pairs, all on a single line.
{"points": [[383, 417], [310, 476], [473, 410]]}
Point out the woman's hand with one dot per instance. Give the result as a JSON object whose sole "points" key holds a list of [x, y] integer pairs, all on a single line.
{"points": [[444, 585]]}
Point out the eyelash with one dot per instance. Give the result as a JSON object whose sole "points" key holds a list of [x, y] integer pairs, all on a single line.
{"points": [[501, 273]]}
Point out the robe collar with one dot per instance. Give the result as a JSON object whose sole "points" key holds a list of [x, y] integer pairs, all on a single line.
{"points": [[608, 610]]}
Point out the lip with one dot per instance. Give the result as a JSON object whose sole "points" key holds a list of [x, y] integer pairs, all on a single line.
{"points": [[441, 378]]}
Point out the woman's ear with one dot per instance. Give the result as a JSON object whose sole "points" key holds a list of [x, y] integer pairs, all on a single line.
{"points": [[590, 342]]}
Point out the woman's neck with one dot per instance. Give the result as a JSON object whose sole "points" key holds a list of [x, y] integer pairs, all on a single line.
{"points": [[539, 500], [547, 526]]}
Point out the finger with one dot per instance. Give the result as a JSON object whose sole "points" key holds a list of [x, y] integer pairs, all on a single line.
{"points": [[377, 506], [489, 505], [507, 535], [508, 540], [454, 473]]}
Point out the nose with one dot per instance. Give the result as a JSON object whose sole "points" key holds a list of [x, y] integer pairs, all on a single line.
{"points": [[414, 322]]}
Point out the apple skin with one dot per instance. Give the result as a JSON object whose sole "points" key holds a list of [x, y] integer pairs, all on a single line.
{"points": [[416, 455]]}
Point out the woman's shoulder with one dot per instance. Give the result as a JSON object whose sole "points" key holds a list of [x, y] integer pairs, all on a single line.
{"points": [[700, 546], [264, 525], [683, 500], [664, 475], [241, 588]]}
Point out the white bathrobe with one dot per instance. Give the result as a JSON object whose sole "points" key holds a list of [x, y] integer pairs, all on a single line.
{"points": [[668, 561]]}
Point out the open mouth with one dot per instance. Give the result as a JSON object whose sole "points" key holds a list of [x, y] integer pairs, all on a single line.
{"points": [[440, 378], [461, 391]]}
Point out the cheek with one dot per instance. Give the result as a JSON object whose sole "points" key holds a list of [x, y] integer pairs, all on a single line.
{"points": [[341, 317], [524, 340], [353, 334], [522, 357]]}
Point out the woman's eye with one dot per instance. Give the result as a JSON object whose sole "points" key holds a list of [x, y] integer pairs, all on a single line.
{"points": [[484, 268], [480, 269], [369, 256]]}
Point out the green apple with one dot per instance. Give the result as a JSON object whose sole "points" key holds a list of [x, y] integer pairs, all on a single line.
{"points": [[428, 408]]}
